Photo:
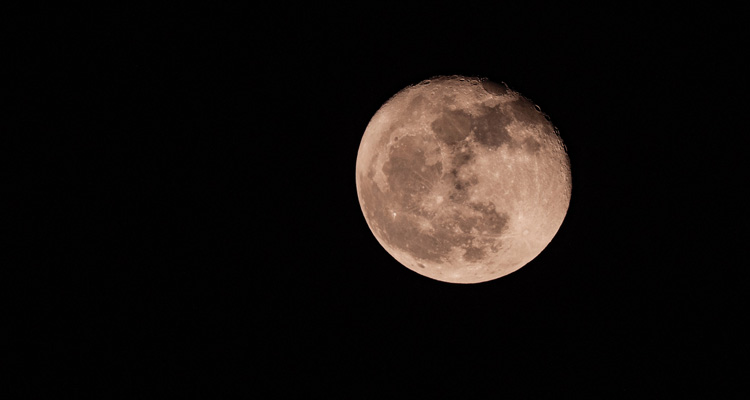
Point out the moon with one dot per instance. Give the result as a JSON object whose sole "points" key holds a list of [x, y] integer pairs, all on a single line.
{"points": [[462, 180]]}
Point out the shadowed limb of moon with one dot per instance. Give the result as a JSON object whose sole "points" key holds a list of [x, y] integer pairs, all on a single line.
{"points": [[462, 180]]}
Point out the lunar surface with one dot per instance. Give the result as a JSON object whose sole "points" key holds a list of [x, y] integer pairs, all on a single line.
{"points": [[462, 180]]}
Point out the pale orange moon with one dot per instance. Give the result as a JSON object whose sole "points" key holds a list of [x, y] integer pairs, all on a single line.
{"points": [[462, 180]]}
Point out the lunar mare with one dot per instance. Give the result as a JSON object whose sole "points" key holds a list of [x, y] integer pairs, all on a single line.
{"points": [[462, 180]]}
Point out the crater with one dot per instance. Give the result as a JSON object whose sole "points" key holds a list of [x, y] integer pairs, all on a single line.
{"points": [[494, 88]]}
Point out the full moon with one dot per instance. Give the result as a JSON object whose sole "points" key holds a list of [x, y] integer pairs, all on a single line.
{"points": [[462, 180]]}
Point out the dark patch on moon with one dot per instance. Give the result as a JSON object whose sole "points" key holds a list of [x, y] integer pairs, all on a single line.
{"points": [[462, 157], [457, 197], [420, 265], [460, 192], [474, 254], [531, 145], [492, 222], [494, 88], [432, 246], [465, 223], [452, 126], [490, 128], [524, 111], [459, 158], [408, 175], [449, 100]]}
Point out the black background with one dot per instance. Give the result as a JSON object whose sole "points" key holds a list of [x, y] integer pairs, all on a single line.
{"points": [[182, 204]]}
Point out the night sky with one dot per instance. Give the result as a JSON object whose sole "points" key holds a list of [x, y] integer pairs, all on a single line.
{"points": [[181, 196]]}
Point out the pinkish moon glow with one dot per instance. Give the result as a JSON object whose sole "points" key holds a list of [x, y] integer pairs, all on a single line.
{"points": [[462, 180]]}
